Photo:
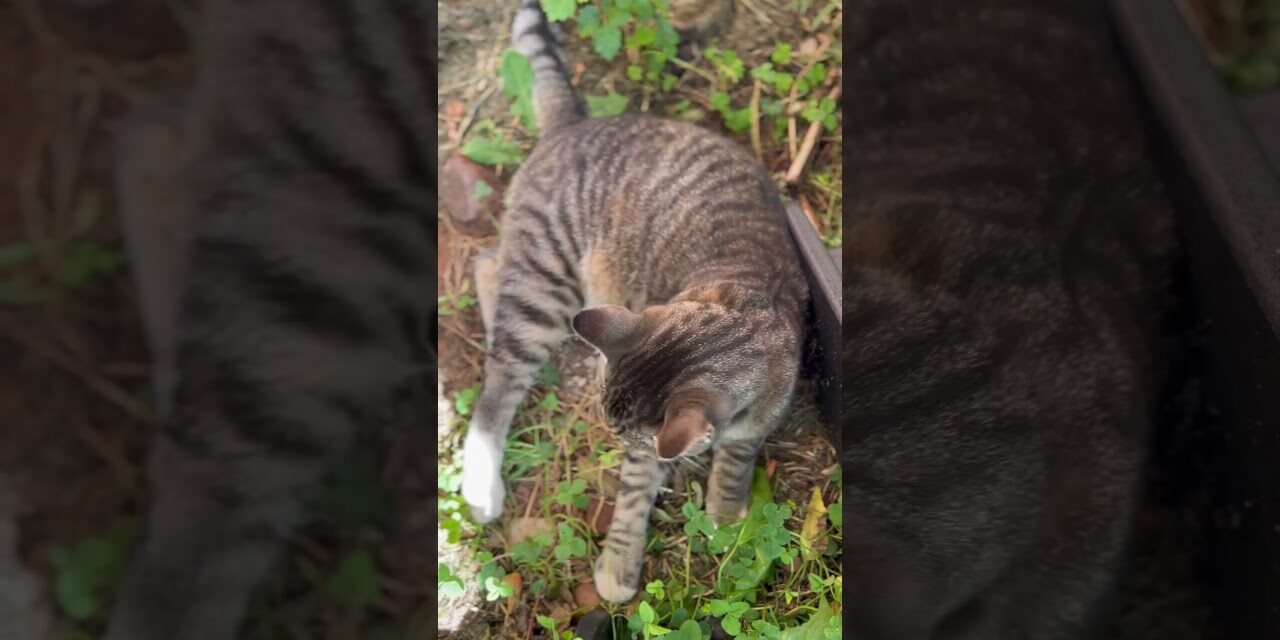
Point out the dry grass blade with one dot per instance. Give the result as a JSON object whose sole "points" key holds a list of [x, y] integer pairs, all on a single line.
{"points": [[101, 386]]}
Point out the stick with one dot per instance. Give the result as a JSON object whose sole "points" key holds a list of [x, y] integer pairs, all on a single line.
{"points": [[810, 140], [104, 388]]}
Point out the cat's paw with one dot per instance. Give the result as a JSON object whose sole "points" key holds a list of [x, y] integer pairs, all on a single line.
{"points": [[482, 480], [617, 578]]}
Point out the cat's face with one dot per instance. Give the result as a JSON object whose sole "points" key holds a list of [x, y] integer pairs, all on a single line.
{"points": [[676, 373]]}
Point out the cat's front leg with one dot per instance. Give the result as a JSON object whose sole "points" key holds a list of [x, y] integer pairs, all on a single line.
{"points": [[525, 320], [729, 485], [617, 570]]}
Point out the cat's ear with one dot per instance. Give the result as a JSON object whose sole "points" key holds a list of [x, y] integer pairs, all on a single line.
{"points": [[685, 425], [612, 329]]}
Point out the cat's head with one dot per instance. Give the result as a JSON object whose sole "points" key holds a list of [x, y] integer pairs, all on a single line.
{"points": [[676, 373]]}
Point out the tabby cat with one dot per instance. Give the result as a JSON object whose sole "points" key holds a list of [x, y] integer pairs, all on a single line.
{"points": [[1006, 253], [666, 248], [304, 163]]}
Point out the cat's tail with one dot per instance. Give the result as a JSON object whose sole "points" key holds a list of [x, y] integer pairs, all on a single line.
{"points": [[554, 102]]}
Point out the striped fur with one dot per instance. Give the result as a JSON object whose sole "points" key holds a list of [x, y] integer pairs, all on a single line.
{"points": [[666, 247], [1006, 251], [308, 175]]}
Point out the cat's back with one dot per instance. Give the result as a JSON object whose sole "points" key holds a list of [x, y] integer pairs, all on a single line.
{"points": [[643, 155], [663, 199]]}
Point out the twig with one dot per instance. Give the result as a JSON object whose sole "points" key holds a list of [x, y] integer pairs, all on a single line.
{"points": [[808, 212], [688, 67], [755, 121], [99, 385], [465, 125], [125, 473], [824, 43], [791, 138], [810, 140]]}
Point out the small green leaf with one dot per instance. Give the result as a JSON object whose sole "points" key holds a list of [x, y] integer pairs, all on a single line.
{"points": [[548, 376], [689, 630], [547, 622], [781, 53], [481, 191], [835, 514], [492, 151], [83, 572], [645, 611], [634, 73], [83, 261], [517, 84], [558, 11], [655, 630], [356, 581], [817, 627], [464, 399], [605, 106], [12, 255], [731, 625], [15, 294], [642, 36], [588, 21], [607, 41], [448, 584], [550, 402]]}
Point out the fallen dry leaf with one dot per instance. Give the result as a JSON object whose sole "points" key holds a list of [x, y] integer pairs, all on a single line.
{"points": [[523, 528], [812, 542]]}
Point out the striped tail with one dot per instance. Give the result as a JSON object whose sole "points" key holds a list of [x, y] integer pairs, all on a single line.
{"points": [[554, 102]]}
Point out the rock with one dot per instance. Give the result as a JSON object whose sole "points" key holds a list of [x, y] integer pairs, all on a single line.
{"points": [[596, 625], [471, 194], [585, 595]]}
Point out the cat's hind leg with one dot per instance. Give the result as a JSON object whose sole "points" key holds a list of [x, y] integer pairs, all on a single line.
{"points": [[488, 268], [530, 319]]}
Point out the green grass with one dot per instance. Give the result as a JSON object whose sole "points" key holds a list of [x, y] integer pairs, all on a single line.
{"points": [[774, 575]]}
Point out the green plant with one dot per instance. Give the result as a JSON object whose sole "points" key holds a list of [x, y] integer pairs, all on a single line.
{"points": [[571, 493], [448, 584], [570, 544], [355, 583], [87, 571]]}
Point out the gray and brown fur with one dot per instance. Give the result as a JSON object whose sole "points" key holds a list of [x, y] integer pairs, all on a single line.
{"points": [[666, 247], [1006, 249], [303, 163]]}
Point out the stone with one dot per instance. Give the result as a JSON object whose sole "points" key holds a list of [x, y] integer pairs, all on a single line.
{"points": [[472, 196]]}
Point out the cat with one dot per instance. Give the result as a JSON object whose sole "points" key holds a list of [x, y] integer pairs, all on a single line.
{"points": [[665, 247], [1007, 260], [300, 176]]}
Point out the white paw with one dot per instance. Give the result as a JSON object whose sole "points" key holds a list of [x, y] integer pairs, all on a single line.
{"points": [[482, 479], [616, 577]]}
